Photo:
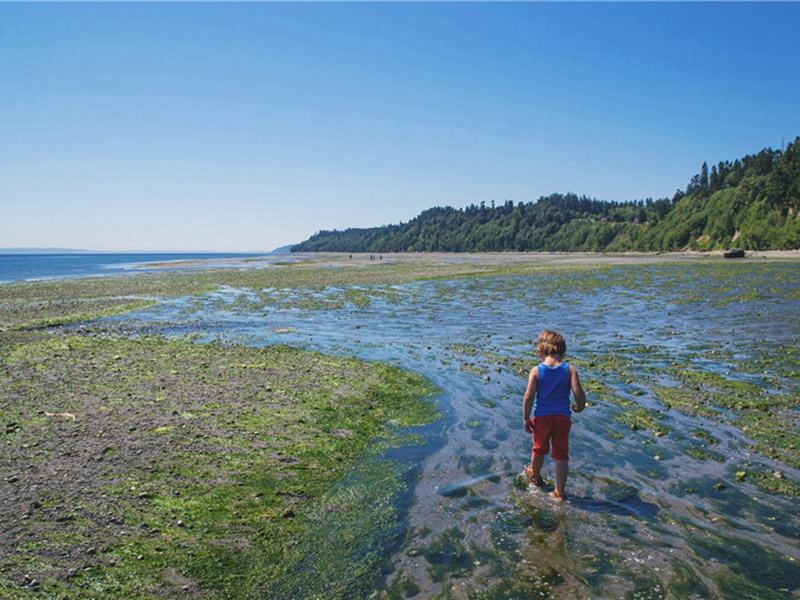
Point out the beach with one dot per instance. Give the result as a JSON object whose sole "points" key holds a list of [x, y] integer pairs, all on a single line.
{"points": [[322, 259], [342, 426]]}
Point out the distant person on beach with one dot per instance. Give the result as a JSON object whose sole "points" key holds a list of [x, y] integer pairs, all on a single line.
{"points": [[546, 409]]}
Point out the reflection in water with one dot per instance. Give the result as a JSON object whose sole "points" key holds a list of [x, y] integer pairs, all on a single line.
{"points": [[658, 503]]}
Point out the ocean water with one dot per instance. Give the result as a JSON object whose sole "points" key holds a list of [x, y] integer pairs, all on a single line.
{"points": [[28, 267]]}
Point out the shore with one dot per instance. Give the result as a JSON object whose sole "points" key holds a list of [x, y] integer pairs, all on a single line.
{"points": [[343, 259]]}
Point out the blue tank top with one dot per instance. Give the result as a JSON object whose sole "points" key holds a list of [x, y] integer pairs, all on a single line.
{"points": [[552, 391]]}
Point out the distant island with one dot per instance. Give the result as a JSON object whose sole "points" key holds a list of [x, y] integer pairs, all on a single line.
{"points": [[752, 203]]}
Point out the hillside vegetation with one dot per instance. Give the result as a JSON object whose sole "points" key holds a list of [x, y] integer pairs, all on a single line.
{"points": [[752, 203]]}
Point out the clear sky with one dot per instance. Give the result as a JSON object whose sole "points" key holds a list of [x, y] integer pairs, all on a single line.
{"points": [[248, 126]]}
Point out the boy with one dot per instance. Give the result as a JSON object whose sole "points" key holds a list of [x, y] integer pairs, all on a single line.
{"points": [[547, 396]]}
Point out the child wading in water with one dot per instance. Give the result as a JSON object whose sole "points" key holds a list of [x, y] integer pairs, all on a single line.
{"points": [[547, 402]]}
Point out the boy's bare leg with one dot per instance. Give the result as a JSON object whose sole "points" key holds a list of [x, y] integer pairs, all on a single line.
{"points": [[536, 463], [562, 470]]}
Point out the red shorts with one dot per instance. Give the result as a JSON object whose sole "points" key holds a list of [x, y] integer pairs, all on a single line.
{"points": [[555, 428]]}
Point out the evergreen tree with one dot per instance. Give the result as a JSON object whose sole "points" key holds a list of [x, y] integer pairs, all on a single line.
{"points": [[756, 197]]}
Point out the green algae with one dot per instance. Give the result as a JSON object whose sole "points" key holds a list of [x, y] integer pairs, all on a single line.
{"points": [[402, 586], [39, 315], [768, 418], [774, 482], [705, 436], [209, 503], [685, 583], [646, 587], [350, 528], [694, 405], [703, 453], [487, 402], [752, 571], [448, 556], [39, 304], [640, 418]]}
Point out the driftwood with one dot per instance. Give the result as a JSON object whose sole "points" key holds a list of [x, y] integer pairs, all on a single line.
{"points": [[65, 415], [734, 253]]}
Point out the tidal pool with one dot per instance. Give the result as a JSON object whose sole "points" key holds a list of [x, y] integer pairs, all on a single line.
{"points": [[684, 468]]}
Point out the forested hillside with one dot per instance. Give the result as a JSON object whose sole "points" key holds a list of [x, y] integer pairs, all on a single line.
{"points": [[752, 203]]}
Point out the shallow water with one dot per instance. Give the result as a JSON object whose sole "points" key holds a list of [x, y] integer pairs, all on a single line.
{"points": [[649, 516], [35, 266]]}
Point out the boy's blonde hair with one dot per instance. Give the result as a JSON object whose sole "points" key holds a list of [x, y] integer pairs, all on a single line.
{"points": [[551, 343]]}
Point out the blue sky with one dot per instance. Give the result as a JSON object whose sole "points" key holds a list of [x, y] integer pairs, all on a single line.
{"points": [[248, 126]]}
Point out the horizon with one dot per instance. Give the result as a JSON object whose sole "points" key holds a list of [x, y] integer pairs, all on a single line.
{"points": [[49, 250], [224, 127]]}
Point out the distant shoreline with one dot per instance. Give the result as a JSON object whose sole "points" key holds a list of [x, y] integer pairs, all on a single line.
{"points": [[18, 268], [344, 259], [32, 266]]}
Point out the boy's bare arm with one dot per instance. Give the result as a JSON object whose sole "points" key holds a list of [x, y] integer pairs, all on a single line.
{"points": [[577, 390], [527, 403]]}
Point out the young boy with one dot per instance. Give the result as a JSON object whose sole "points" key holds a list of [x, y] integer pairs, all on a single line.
{"points": [[547, 396]]}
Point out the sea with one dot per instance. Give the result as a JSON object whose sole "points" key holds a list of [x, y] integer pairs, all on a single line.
{"points": [[16, 267]]}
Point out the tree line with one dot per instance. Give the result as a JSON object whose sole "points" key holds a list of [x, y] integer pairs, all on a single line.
{"points": [[752, 203]]}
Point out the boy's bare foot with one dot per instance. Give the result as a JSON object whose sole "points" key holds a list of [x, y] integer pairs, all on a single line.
{"points": [[537, 481], [558, 497]]}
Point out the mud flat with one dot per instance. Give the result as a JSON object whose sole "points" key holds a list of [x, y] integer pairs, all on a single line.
{"points": [[139, 468]]}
